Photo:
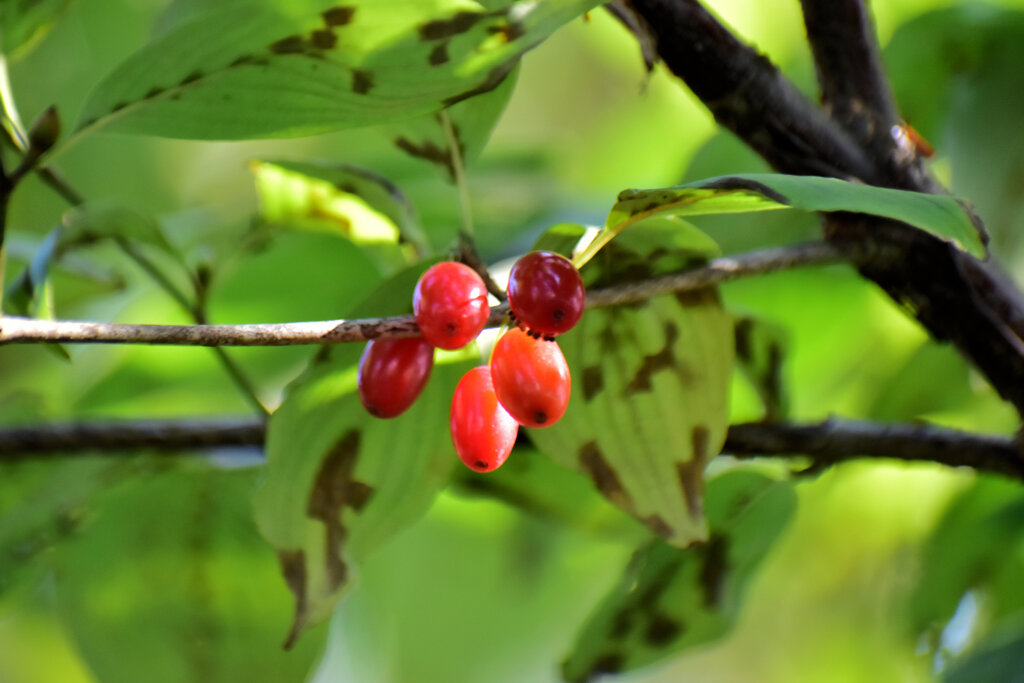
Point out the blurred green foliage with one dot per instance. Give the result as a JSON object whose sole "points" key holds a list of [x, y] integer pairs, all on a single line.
{"points": [[886, 571]]}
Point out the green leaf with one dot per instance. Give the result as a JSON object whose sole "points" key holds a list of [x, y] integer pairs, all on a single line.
{"points": [[760, 354], [25, 22], [20, 297], [169, 581], [471, 123], [998, 659], [669, 599], [940, 215], [99, 220], [250, 70], [979, 544], [41, 504], [340, 199], [649, 407], [339, 482]]}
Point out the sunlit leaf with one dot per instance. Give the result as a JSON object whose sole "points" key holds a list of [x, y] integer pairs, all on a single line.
{"points": [[339, 482], [649, 406], [168, 580], [337, 198], [24, 22], [248, 70], [470, 123], [671, 599], [760, 355], [941, 215]]}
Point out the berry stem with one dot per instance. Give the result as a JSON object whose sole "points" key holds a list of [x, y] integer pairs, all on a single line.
{"points": [[458, 171]]}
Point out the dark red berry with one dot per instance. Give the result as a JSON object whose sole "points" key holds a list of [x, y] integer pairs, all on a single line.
{"points": [[392, 374], [531, 378], [546, 293], [483, 432], [450, 303]]}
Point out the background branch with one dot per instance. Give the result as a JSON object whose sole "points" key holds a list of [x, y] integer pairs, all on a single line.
{"points": [[955, 297], [29, 330], [826, 443]]}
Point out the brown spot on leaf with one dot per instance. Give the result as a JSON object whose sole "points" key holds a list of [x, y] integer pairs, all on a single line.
{"points": [[604, 477], [698, 297], [154, 92], [714, 570], [362, 81], [662, 360], [323, 39], [648, 600], [610, 663], [658, 525], [254, 60], [508, 31], [333, 489], [493, 80], [691, 472], [191, 78], [446, 28], [293, 567], [118, 107], [622, 623], [662, 630], [289, 46], [593, 382], [338, 16], [742, 332], [439, 55], [429, 152]]}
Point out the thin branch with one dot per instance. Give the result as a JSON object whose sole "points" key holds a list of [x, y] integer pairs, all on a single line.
{"points": [[29, 330], [833, 441], [825, 443]]}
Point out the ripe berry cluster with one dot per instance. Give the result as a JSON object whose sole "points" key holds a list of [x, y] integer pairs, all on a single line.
{"points": [[527, 380]]}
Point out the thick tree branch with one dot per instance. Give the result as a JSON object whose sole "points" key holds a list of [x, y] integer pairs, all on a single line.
{"points": [[955, 296], [856, 91], [27, 330], [825, 443], [749, 96]]}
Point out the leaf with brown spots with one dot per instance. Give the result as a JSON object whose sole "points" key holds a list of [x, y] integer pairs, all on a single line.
{"points": [[669, 599], [338, 482], [653, 406], [471, 122], [285, 68], [941, 215], [761, 348]]}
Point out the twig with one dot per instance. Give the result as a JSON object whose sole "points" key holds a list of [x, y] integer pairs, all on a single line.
{"points": [[825, 443], [28, 330]]}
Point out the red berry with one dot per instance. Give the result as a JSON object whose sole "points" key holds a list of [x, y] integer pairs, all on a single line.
{"points": [[531, 378], [546, 293], [482, 431], [450, 303], [392, 374]]}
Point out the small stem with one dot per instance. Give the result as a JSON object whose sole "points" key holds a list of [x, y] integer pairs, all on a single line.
{"points": [[198, 314], [458, 171]]}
